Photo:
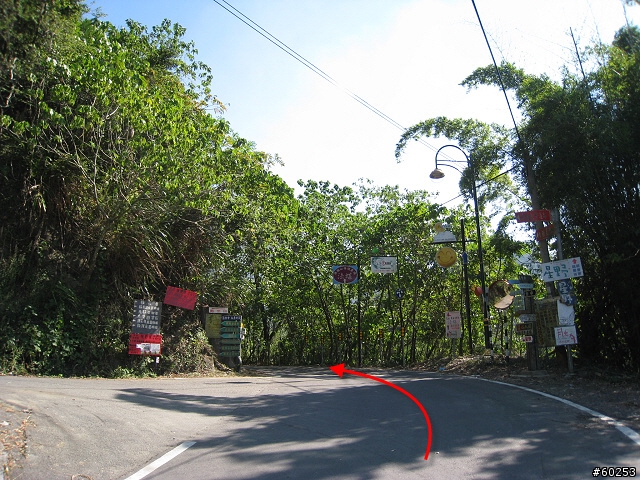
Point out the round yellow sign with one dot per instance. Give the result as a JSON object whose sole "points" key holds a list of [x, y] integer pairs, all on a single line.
{"points": [[446, 257]]}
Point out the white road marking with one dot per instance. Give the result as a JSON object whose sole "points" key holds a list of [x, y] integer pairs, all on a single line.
{"points": [[621, 427], [161, 461]]}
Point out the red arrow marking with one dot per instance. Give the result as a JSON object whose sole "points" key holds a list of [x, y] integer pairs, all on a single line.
{"points": [[340, 370]]}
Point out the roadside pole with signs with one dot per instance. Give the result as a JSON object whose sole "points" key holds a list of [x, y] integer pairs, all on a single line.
{"points": [[225, 333]]}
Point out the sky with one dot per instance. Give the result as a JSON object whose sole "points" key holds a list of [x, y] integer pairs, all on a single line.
{"points": [[406, 58]]}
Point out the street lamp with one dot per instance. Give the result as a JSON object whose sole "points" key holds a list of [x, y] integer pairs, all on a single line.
{"points": [[438, 174]]}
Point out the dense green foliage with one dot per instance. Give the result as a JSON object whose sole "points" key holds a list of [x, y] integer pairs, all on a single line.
{"points": [[579, 141], [119, 176]]}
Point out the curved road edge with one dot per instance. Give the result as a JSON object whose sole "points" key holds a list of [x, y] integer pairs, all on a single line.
{"points": [[620, 426]]}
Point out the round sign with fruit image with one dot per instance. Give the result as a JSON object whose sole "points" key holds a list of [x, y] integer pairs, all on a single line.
{"points": [[446, 257]]}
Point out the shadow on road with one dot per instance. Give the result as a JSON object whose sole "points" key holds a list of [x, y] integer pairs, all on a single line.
{"points": [[359, 430]]}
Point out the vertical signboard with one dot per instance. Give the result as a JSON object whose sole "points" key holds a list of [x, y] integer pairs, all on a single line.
{"points": [[453, 323], [230, 335], [146, 317]]}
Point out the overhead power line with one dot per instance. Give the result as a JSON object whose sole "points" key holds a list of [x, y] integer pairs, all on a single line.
{"points": [[289, 51]]}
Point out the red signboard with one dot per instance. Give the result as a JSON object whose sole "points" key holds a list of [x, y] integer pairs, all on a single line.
{"points": [[145, 344], [533, 216], [545, 232], [345, 274], [179, 297]]}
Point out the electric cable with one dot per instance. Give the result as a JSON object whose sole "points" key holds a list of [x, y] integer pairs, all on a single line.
{"points": [[289, 51]]}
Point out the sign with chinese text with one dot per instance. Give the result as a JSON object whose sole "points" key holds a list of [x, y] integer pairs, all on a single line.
{"points": [[231, 336], [565, 289], [384, 264], [533, 216], [146, 317], [566, 335], [345, 274], [545, 233], [453, 323], [218, 310], [178, 297], [144, 344], [561, 269], [212, 325]]}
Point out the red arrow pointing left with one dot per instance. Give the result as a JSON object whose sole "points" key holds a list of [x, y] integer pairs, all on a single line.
{"points": [[340, 370]]}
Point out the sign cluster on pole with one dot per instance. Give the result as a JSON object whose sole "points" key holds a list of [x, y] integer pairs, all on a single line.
{"points": [[225, 332], [533, 216]]}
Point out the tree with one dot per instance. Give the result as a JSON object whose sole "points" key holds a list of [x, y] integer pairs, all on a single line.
{"points": [[580, 138], [116, 183]]}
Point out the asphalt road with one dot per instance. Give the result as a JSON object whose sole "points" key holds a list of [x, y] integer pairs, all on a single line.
{"points": [[306, 423]]}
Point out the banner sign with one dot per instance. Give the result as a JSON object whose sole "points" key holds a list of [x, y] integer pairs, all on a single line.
{"points": [[561, 269], [179, 297], [146, 317], [144, 344], [533, 216], [345, 274], [384, 264]]}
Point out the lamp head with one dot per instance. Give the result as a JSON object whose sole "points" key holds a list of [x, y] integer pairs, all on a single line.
{"points": [[436, 174]]}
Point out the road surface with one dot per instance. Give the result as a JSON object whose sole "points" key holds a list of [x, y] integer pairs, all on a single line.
{"points": [[306, 423]]}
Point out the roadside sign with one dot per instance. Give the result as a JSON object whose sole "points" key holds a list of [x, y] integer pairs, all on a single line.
{"points": [[561, 269], [384, 264], [453, 324], [218, 310], [179, 297], [237, 318], [230, 335], [344, 274], [145, 344], [230, 353], [533, 216], [146, 317], [524, 329], [229, 347], [230, 324], [528, 338], [230, 341], [545, 233], [566, 335]]}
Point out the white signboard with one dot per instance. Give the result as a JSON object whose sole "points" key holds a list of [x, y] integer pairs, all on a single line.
{"points": [[566, 314], [384, 264], [218, 310], [453, 323], [566, 335], [561, 269]]}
